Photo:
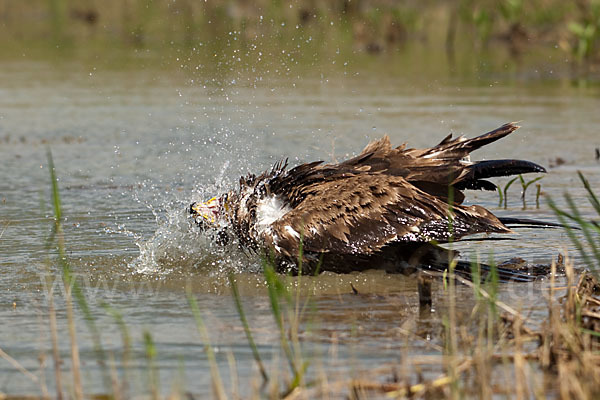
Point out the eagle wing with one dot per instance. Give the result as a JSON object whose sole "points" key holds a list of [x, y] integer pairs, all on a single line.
{"points": [[360, 214], [389, 194], [440, 168]]}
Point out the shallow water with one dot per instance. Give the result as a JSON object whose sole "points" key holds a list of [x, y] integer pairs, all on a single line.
{"points": [[134, 147]]}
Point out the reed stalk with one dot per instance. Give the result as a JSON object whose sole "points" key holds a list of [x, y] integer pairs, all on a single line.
{"points": [[54, 338], [52, 315], [67, 280], [238, 303], [72, 288], [126, 340], [276, 289], [17, 365], [233, 374], [524, 186], [505, 191], [218, 388], [590, 229], [451, 340], [153, 375]]}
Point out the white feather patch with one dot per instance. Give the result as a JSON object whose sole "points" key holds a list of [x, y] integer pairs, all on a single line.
{"points": [[269, 210], [291, 231]]}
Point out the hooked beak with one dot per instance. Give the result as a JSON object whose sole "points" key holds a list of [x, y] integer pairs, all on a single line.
{"points": [[206, 213]]}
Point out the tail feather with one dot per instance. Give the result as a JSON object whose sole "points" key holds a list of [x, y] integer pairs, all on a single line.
{"points": [[464, 146], [475, 173], [490, 137], [494, 168]]}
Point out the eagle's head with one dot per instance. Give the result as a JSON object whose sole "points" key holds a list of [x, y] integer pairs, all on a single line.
{"points": [[211, 216], [207, 214]]}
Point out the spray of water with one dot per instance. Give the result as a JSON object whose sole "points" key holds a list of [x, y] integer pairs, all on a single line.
{"points": [[179, 246], [221, 131]]}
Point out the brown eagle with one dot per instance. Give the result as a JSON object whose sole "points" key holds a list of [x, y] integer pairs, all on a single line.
{"points": [[387, 208]]}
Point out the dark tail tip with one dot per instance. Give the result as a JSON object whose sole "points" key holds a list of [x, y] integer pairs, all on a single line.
{"points": [[493, 168], [474, 179], [532, 223]]}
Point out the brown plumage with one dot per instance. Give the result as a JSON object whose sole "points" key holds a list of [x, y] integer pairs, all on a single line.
{"points": [[380, 209]]}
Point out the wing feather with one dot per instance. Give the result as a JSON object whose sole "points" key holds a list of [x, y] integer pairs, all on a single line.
{"points": [[360, 214]]}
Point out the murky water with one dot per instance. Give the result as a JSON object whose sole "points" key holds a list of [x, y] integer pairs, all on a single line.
{"points": [[133, 148]]}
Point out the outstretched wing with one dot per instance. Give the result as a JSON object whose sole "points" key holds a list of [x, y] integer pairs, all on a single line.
{"points": [[434, 170], [360, 214], [442, 164]]}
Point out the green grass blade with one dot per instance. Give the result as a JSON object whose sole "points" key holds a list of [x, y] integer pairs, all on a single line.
{"points": [[521, 180], [590, 332], [153, 376], [531, 181], [296, 381], [476, 278], [275, 289], [525, 185], [508, 184], [68, 277], [586, 232], [240, 310], [591, 194], [492, 283], [562, 217], [54, 185], [500, 196]]}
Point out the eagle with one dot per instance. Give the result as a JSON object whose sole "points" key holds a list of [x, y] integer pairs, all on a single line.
{"points": [[387, 208]]}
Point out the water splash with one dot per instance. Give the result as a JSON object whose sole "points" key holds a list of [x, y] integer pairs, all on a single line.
{"points": [[178, 246]]}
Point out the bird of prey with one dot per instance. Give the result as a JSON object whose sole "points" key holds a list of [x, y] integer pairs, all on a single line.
{"points": [[387, 208]]}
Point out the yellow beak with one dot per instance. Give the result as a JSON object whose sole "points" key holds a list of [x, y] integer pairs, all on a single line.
{"points": [[207, 210]]}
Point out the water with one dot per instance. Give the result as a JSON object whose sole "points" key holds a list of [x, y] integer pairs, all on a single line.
{"points": [[134, 147]]}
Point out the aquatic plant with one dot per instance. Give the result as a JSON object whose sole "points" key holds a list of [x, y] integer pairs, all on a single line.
{"points": [[122, 387], [525, 185], [586, 29], [240, 309], [511, 10], [71, 288], [58, 13], [503, 192], [585, 34], [288, 309], [293, 352], [373, 26], [218, 388], [590, 229], [153, 375], [493, 337]]}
